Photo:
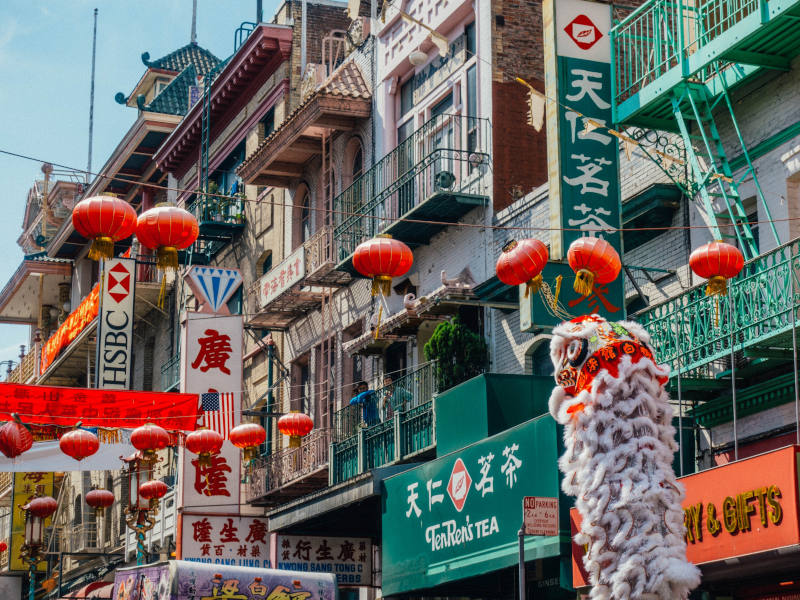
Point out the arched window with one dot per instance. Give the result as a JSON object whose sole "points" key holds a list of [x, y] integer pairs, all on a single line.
{"points": [[358, 162], [305, 218], [77, 515]]}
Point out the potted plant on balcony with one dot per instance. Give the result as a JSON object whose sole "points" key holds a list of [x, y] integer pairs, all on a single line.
{"points": [[459, 352]]}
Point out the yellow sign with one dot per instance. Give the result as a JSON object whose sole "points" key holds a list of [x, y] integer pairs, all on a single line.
{"points": [[24, 488]]}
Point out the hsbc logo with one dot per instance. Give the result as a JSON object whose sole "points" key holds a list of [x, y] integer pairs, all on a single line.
{"points": [[459, 484], [119, 282], [583, 32]]}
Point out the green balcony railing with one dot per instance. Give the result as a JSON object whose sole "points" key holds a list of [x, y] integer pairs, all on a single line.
{"points": [[449, 153], [664, 34], [368, 435], [213, 210], [691, 330]]}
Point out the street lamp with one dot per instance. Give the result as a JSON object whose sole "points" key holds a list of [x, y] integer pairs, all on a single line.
{"points": [[139, 473], [37, 510]]}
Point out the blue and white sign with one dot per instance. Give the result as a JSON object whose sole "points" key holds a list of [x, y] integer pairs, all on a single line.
{"points": [[214, 287]]}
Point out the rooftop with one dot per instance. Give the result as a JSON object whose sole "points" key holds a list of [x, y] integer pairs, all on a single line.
{"points": [[190, 54]]}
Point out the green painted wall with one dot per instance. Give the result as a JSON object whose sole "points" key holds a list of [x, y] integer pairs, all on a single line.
{"points": [[486, 405]]}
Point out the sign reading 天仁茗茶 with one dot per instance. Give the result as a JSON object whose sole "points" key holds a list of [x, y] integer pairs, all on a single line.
{"points": [[450, 518], [583, 169]]}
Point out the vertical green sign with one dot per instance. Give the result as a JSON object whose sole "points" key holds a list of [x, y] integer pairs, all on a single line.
{"points": [[583, 169], [458, 516]]}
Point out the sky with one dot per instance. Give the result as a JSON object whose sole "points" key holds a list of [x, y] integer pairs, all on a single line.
{"points": [[45, 68]]}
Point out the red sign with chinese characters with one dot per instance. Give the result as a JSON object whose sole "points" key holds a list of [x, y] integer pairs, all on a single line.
{"points": [[97, 408], [223, 540]]}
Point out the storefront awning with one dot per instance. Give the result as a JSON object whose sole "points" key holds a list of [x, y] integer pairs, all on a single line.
{"points": [[34, 283]]}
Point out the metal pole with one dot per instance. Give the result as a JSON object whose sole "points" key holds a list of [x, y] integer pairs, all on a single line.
{"points": [[733, 376], [60, 571], [680, 402], [521, 534], [32, 583], [194, 22], [91, 99], [259, 11]]}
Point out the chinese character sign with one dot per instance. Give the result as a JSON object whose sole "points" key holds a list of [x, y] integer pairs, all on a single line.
{"points": [[222, 540], [211, 366], [583, 168], [280, 278], [456, 511], [350, 559], [24, 489]]}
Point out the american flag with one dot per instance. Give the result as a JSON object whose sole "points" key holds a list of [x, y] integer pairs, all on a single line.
{"points": [[218, 413]]}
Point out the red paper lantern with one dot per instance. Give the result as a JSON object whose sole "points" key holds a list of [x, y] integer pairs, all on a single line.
{"points": [[149, 439], [104, 220], [522, 262], [247, 436], [204, 443], [15, 439], [3, 546], [594, 261], [99, 500], [166, 229], [152, 491], [382, 258], [79, 443], [717, 262], [42, 507], [295, 425]]}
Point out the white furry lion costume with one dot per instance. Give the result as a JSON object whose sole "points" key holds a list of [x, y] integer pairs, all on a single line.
{"points": [[618, 461]]}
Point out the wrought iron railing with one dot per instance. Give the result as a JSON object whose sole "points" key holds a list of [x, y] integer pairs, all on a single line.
{"points": [[171, 374], [449, 153], [288, 465], [319, 251], [372, 408], [662, 34], [691, 330], [210, 209]]}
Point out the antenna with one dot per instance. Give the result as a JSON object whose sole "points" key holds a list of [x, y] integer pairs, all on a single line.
{"points": [[194, 21], [91, 98]]}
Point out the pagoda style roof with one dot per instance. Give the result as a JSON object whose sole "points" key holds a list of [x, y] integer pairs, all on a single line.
{"points": [[174, 99], [190, 54]]}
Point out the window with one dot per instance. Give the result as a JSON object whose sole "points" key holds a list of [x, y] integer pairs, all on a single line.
{"points": [[265, 263], [406, 96], [160, 85], [269, 122], [358, 163], [472, 109], [469, 33], [305, 219]]}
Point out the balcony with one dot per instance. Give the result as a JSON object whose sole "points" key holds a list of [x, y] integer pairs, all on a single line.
{"points": [[393, 424], [219, 220], [715, 43], [171, 374], [291, 472], [295, 285], [692, 330], [438, 174], [25, 371]]}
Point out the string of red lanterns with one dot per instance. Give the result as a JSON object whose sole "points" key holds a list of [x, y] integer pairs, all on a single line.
{"points": [[99, 499], [594, 261], [79, 443], [718, 262], [296, 425], [522, 262], [205, 443], [103, 219]]}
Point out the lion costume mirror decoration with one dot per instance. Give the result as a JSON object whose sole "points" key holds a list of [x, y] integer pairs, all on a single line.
{"points": [[619, 444]]}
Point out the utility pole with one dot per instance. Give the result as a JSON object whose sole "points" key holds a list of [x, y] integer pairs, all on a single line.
{"points": [[91, 99]]}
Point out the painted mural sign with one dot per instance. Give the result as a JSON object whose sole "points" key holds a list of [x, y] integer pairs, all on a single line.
{"points": [[25, 485], [211, 366], [115, 326], [350, 559], [224, 540], [287, 273], [142, 583], [583, 169], [450, 518]]}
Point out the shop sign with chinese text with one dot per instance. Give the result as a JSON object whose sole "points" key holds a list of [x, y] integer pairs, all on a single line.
{"points": [[350, 559], [211, 366], [25, 485], [223, 540], [453, 517], [289, 272], [115, 326], [583, 169]]}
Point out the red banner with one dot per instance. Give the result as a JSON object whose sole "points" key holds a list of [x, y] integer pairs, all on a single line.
{"points": [[49, 405], [75, 323]]}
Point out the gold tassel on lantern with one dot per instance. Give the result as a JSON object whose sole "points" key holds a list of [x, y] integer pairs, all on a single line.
{"points": [[102, 247], [166, 260], [717, 286], [381, 284], [584, 282], [533, 286]]}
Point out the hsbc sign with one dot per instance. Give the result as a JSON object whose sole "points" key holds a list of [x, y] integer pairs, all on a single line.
{"points": [[115, 333]]}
